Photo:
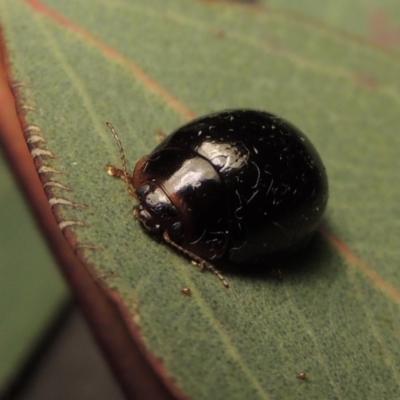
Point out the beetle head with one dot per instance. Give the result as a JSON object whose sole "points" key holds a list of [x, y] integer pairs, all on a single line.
{"points": [[156, 211]]}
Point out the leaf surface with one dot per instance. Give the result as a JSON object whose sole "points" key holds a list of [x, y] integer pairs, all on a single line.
{"points": [[152, 65]]}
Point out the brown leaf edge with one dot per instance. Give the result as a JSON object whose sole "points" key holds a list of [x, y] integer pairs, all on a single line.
{"points": [[140, 374]]}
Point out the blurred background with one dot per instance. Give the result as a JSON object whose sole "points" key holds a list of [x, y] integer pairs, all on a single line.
{"points": [[46, 350]]}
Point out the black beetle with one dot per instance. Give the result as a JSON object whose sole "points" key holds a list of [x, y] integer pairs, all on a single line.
{"points": [[236, 185]]}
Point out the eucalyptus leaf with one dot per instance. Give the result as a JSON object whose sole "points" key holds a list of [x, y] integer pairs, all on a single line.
{"points": [[150, 65]]}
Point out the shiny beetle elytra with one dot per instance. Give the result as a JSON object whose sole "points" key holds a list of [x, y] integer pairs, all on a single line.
{"points": [[236, 185]]}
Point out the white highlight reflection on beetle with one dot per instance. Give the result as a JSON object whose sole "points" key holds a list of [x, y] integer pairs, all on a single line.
{"points": [[191, 174], [223, 155]]}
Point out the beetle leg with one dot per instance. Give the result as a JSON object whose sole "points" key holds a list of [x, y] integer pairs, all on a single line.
{"points": [[120, 173], [203, 264], [114, 171], [160, 135]]}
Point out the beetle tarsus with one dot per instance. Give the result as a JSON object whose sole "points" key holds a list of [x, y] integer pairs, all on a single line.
{"points": [[114, 171], [201, 263]]}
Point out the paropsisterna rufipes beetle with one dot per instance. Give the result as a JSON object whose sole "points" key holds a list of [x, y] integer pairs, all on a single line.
{"points": [[236, 185]]}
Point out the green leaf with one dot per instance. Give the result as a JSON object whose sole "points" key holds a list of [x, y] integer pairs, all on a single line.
{"points": [[373, 21], [152, 65], [31, 291]]}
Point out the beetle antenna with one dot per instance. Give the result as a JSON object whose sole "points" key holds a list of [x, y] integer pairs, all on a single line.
{"points": [[116, 171], [203, 264]]}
